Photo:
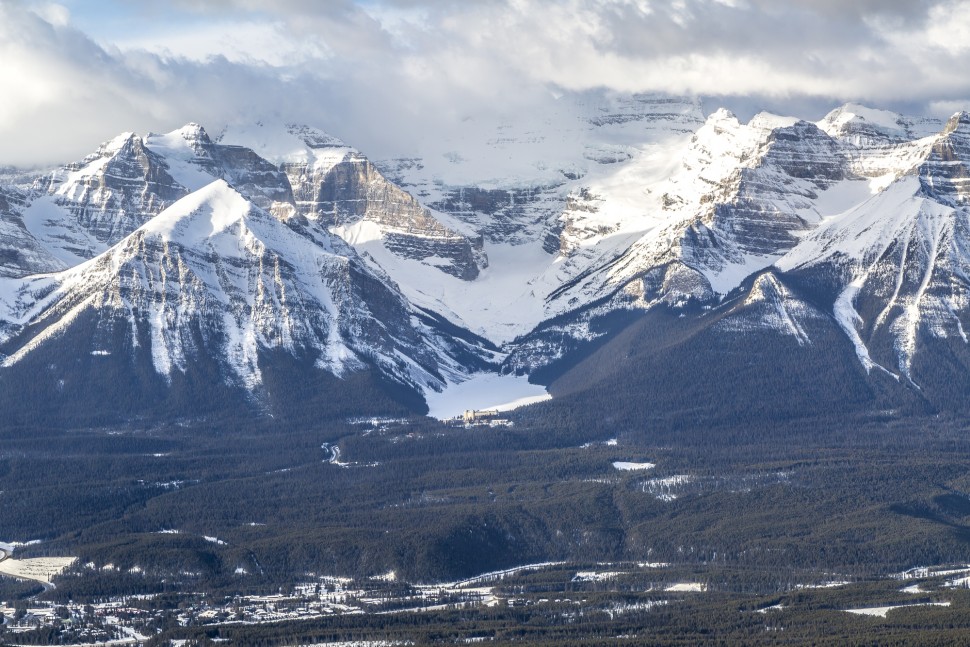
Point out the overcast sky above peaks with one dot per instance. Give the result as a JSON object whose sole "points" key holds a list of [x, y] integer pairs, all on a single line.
{"points": [[383, 74]]}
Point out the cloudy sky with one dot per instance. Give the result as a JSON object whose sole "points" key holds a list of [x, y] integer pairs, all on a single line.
{"points": [[382, 73]]}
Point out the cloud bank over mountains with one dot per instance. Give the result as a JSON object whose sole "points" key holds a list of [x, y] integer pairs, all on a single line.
{"points": [[387, 74]]}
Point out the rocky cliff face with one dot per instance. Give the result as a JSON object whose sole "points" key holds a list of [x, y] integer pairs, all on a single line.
{"points": [[353, 196], [337, 188], [114, 191]]}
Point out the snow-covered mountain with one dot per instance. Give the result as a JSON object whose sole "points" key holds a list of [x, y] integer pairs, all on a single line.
{"points": [[188, 250], [898, 262], [773, 192], [530, 246], [859, 221]]}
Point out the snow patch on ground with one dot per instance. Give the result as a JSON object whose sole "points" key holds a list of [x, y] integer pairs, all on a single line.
{"points": [[624, 466], [961, 583], [41, 569], [664, 488], [824, 585], [847, 318], [484, 391], [880, 612], [731, 275], [596, 576], [612, 442], [359, 643], [687, 587]]}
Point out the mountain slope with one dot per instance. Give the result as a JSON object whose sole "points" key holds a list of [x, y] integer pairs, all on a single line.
{"points": [[898, 266], [214, 280], [338, 189], [767, 354], [868, 312], [20, 253], [639, 231]]}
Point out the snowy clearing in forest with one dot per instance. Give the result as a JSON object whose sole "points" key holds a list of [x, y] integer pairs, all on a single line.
{"points": [[624, 466], [41, 569], [880, 612]]}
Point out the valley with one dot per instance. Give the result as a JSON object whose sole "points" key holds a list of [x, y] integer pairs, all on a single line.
{"points": [[687, 378], [379, 323]]}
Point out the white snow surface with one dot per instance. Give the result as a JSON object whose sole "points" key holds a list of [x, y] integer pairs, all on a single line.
{"points": [[201, 216], [625, 466], [39, 569], [484, 391], [501, 304], [881, 612], [774, 607], [597, 576], [687, 587], [288, 143], [181, 157], [862, 233], [848, 319], [53, 226]]}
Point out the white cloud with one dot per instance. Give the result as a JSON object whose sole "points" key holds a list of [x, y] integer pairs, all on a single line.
{"points": [[55, 14], [61, 94], [246, 42], [386, 74]]}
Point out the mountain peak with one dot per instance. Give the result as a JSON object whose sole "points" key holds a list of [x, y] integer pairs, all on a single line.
{"points": [[193, 132], [286, 144], [314, 137], [855, 112], [954, 123], [722, 115], [770, 121], [124, 141], [201, 214], [862, 125]]}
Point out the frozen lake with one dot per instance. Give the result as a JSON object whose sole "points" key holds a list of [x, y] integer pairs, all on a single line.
{"points": [[485, 391]]}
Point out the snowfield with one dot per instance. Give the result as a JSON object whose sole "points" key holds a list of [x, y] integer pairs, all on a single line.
{"points": [[633, 467], [687, 587], [41, 569], [880, 612]]}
